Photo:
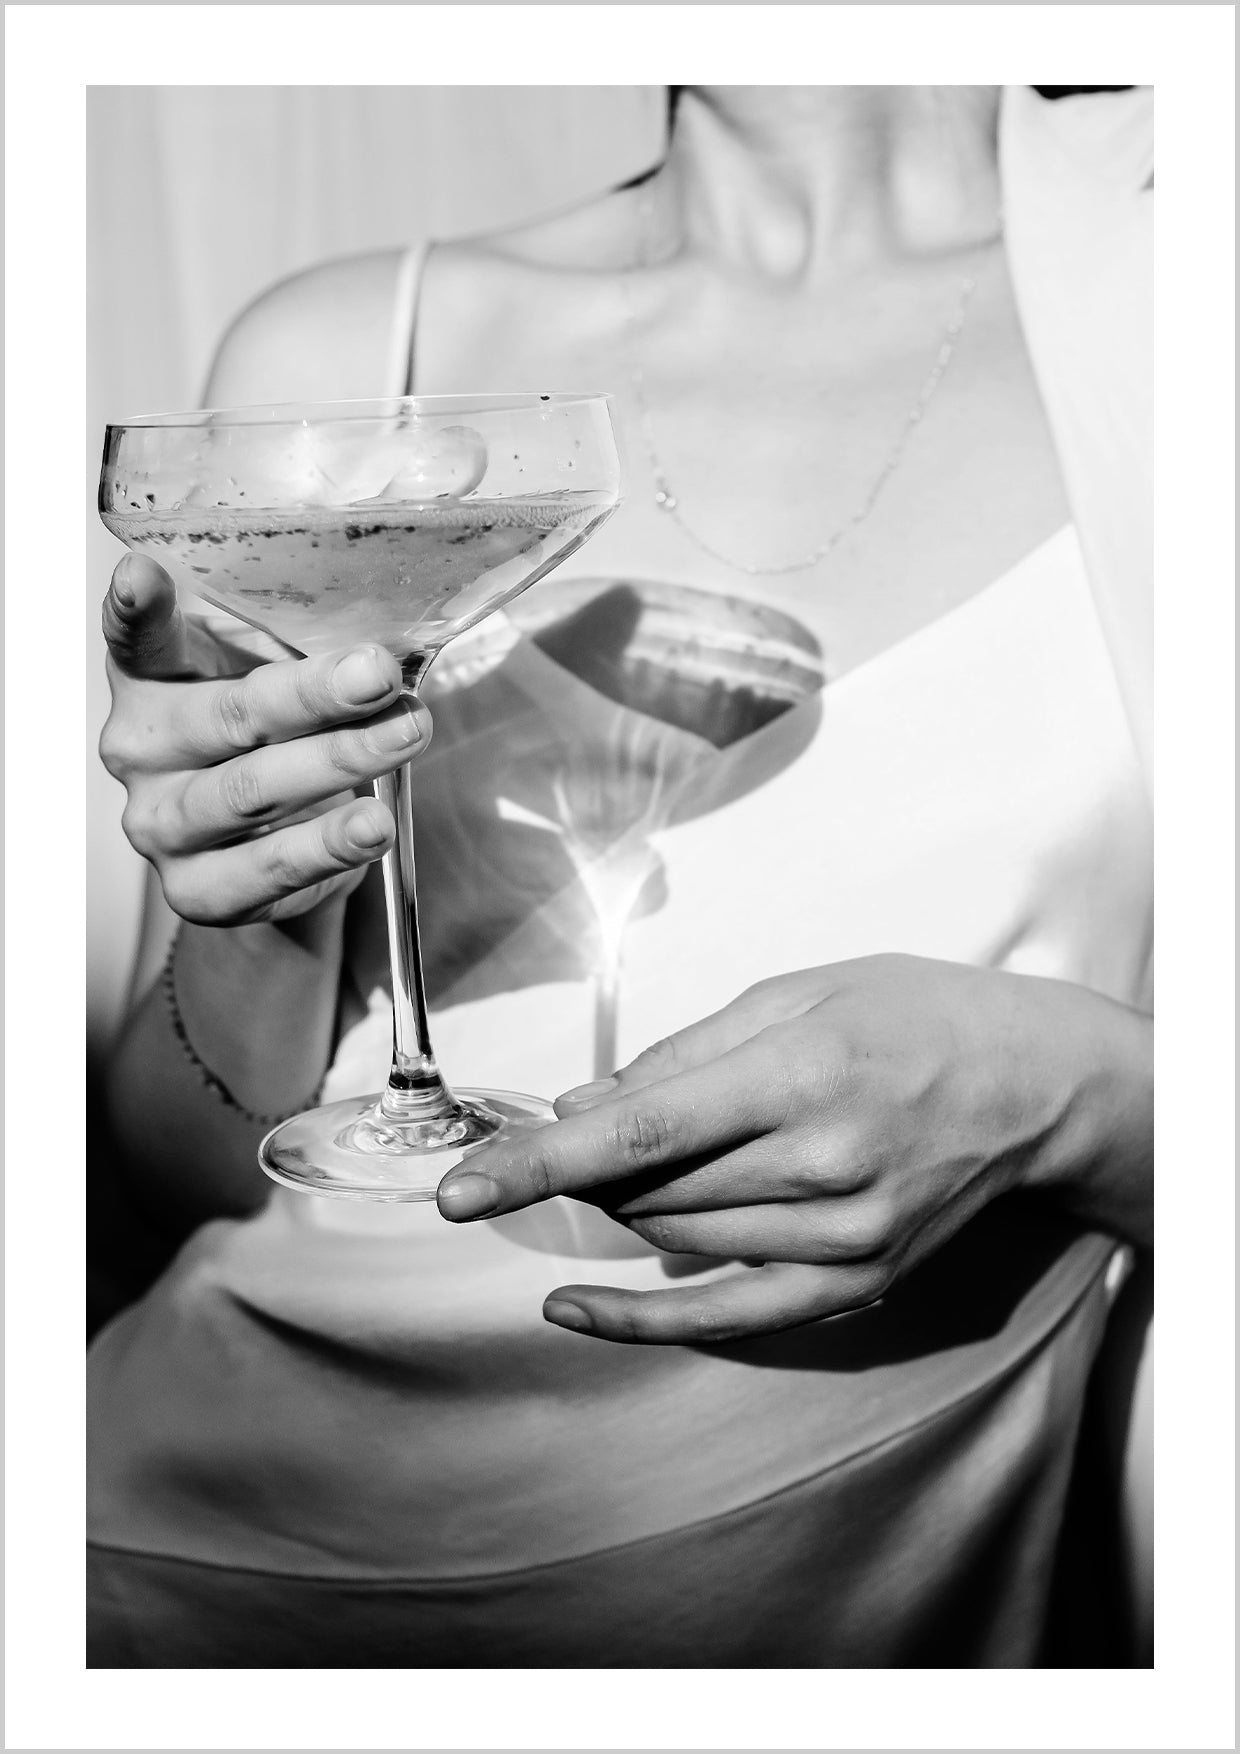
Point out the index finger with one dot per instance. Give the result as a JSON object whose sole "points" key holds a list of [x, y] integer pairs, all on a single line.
{"points": [[708, 1108]]}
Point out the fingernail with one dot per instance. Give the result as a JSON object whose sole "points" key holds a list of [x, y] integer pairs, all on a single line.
{"points": [[365, 830], [470, 1196], [399, 732], [360, 677], [567, 1315], [589, 1092], [122, 590]]}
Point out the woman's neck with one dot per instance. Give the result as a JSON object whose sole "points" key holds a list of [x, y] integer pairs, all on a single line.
{"points": [[805, 182]]}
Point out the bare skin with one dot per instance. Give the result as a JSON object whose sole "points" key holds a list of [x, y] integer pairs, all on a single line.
{"points": [[784, 281]]}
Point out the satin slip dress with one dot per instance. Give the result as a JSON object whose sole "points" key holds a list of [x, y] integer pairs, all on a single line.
{"points": [[341, 1435]]}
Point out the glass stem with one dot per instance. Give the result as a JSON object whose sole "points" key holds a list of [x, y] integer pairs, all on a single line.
{"points": [[415, 1090]]}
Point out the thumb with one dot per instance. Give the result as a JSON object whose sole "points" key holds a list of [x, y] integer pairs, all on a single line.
{"points": [[142, 624]]}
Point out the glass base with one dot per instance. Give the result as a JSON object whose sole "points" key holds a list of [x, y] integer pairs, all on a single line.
{"points": [[350, 1150]]}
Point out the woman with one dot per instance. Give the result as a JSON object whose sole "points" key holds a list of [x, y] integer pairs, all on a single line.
{"points": [[345, 1436]]}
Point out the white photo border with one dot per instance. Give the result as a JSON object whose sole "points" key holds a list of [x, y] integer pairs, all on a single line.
{"points": [[53, 54]]}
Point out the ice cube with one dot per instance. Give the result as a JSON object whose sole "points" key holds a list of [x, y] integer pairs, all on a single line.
{"points": [[362, 470], [211, 482], [266, 467], [213, 493], [443, 463]]}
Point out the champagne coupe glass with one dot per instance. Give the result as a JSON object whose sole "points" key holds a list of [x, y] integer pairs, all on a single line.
{"points": [[404, 521]]}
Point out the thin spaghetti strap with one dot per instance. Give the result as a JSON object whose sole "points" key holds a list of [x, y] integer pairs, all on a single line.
{"points": [[399, 378]]}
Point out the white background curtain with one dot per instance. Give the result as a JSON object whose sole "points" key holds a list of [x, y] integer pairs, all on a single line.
{"points": [[201, 196]]}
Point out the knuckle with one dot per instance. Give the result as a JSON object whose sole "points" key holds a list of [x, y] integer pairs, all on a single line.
{"points": [[801, 1172], [204, 903], [242, 791], [845, 1160], [110, 753], [118, 747], [538, 1180], [339, 852], [184, 898], [659, 1060], [846, 1176], [863, 1227], [138, 824], [345, 753], [804, 1078], [170, 823], [629, 1320], [881, 1277], [763, 1003], [233, 716], [661, 1232], [818, 1082], [874, 1283], [785, 1096], [710, 1324], [857, 1288], [176, 893], [117, 635], [282, 866], [311, 694], [781, 997], [644, 1134]]}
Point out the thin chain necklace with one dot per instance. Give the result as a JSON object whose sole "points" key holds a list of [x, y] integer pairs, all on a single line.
{"points": [[669, 502]]}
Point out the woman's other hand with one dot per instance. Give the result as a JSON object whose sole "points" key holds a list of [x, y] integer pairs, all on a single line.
{"points": [[833, 1127], [239, 762]]}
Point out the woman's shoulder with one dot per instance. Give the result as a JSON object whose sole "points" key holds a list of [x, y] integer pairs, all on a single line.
{"points": [[319, 335]]}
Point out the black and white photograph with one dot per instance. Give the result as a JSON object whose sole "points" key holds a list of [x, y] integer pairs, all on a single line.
{"points": [[779, 812], [619, 845]]}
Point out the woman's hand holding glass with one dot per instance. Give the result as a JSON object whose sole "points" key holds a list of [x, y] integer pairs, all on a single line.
{"points": [[239, 762], [834, 1127]]}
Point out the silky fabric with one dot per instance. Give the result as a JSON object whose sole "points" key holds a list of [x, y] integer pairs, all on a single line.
{"points": [[342, 1436]]}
